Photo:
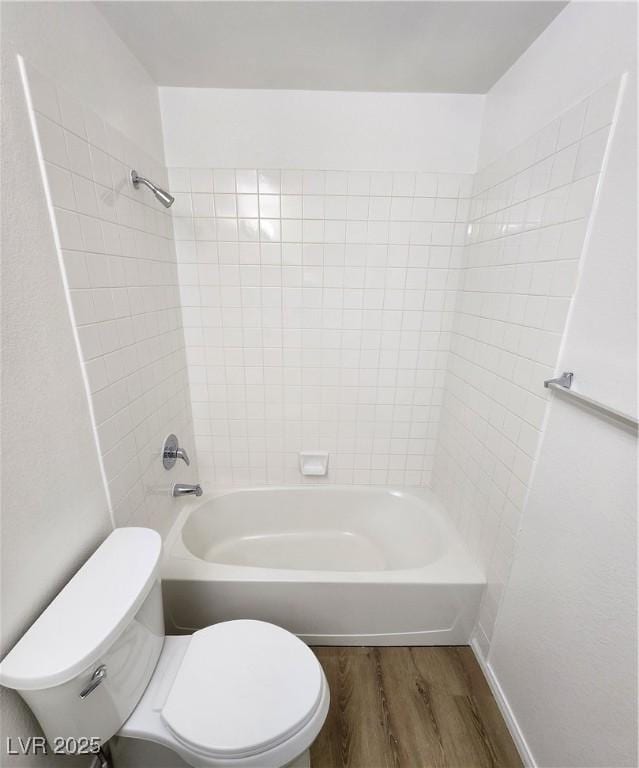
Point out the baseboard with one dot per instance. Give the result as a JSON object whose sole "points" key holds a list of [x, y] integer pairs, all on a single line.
{"points": [[504, 707]]}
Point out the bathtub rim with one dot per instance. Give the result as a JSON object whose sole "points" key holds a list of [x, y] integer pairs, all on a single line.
{"points": [[456, 566]]}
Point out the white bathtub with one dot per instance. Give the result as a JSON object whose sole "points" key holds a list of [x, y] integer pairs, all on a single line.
{"points": [[333, 564]]}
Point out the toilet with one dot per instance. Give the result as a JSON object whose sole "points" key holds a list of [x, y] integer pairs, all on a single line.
{"points": [[97, 665]]}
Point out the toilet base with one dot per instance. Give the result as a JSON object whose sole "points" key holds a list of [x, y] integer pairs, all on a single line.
{"points": [[138, 753]]}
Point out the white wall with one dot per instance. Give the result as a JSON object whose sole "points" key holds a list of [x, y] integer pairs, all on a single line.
{"points": [[563, 650], [584, 47], [214, 128], [54, 508]]}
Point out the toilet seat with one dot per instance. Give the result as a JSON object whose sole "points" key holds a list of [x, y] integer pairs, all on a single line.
{"points": [[240, 693], [242, 688]]}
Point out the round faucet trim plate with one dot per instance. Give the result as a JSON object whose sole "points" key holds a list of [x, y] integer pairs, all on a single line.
{"points": [[170, 451]]}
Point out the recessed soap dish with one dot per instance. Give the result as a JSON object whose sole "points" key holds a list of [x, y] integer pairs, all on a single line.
{"points": [[314, 463]]}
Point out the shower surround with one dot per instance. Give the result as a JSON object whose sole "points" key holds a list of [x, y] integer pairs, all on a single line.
{"points": [[318, 309], [402, 321]]}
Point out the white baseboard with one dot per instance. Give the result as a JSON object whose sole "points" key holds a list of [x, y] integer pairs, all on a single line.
{"points": [[504, 707]]}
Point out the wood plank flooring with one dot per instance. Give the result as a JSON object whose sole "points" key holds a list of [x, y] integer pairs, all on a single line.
{"points": [[410, 708]]}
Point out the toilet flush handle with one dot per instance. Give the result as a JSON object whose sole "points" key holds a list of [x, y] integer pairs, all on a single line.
{"points": [[96, 678]]}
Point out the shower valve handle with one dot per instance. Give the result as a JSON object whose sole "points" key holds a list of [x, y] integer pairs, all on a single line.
{"points": [[171, 452]]}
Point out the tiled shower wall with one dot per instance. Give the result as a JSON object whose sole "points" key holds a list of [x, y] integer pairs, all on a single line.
{"points": [[317, 312], [119, 264], [529, 216]]}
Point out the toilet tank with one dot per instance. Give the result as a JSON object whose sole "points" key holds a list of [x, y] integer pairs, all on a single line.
{"points": [[105, 628]]}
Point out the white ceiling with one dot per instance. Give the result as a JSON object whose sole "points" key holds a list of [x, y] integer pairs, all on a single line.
{"points": [[453, 47]]}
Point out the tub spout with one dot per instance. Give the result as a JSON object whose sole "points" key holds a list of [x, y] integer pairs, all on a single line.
{"points": [[183, 489]]}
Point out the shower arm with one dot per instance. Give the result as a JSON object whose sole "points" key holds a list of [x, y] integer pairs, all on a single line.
{"points": [[164, 197]]}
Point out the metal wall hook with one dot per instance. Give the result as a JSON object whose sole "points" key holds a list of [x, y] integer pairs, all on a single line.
{"points": [[565, 380]]}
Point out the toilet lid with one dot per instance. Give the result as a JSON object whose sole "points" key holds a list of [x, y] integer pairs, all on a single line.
{"points": [[243, 687]]}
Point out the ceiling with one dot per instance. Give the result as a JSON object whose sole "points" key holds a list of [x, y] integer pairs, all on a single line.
{"points": [[454, 47]]}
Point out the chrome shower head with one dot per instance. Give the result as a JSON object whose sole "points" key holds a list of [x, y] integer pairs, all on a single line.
{"points": [[164, 197]]}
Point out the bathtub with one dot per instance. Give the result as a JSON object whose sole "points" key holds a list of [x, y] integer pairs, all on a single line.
{"points": [[335, 565]]}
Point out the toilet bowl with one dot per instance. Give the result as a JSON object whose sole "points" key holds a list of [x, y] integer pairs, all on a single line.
{"points": [[239, 693]]}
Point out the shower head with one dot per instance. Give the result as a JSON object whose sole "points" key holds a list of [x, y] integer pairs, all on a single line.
{"points": [[164, 197]]}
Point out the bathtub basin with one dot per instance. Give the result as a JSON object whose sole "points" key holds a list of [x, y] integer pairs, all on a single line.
{"points": [[335, 565]]}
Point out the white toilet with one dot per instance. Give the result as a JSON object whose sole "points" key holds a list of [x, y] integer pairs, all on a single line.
{"points": [[96, 663]]}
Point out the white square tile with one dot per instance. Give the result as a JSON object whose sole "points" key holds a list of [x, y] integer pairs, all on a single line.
{"points": [[197, 204], [426, 185], [223, 181], [69, 230], [381, 184], [563, 166], [313, 183], [61, 187], [336, 183], [358, 183], [246, 181], [601, 107], [248, 230], [547, 141], [401, 209], [79, 159], [313, 206], [101, 168], [72, 113], [225, 205], [571, 125], [85, 197], [357, 207], [291, 206], [335, 206], [591, 153], [95, 128], [291, 231], [76, 270], [292, 182], [379, 208], [52, 141], [92, 236], [270, 230], [247, 205], [202, 180], [269, 182], [403, 184], [205, 229], [269, 206]]}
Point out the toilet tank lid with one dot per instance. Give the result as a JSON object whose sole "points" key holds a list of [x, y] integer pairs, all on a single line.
{"points": [[88, 615]]}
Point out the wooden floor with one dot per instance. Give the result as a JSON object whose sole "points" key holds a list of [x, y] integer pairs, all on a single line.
{"points": [[410, 708]]}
